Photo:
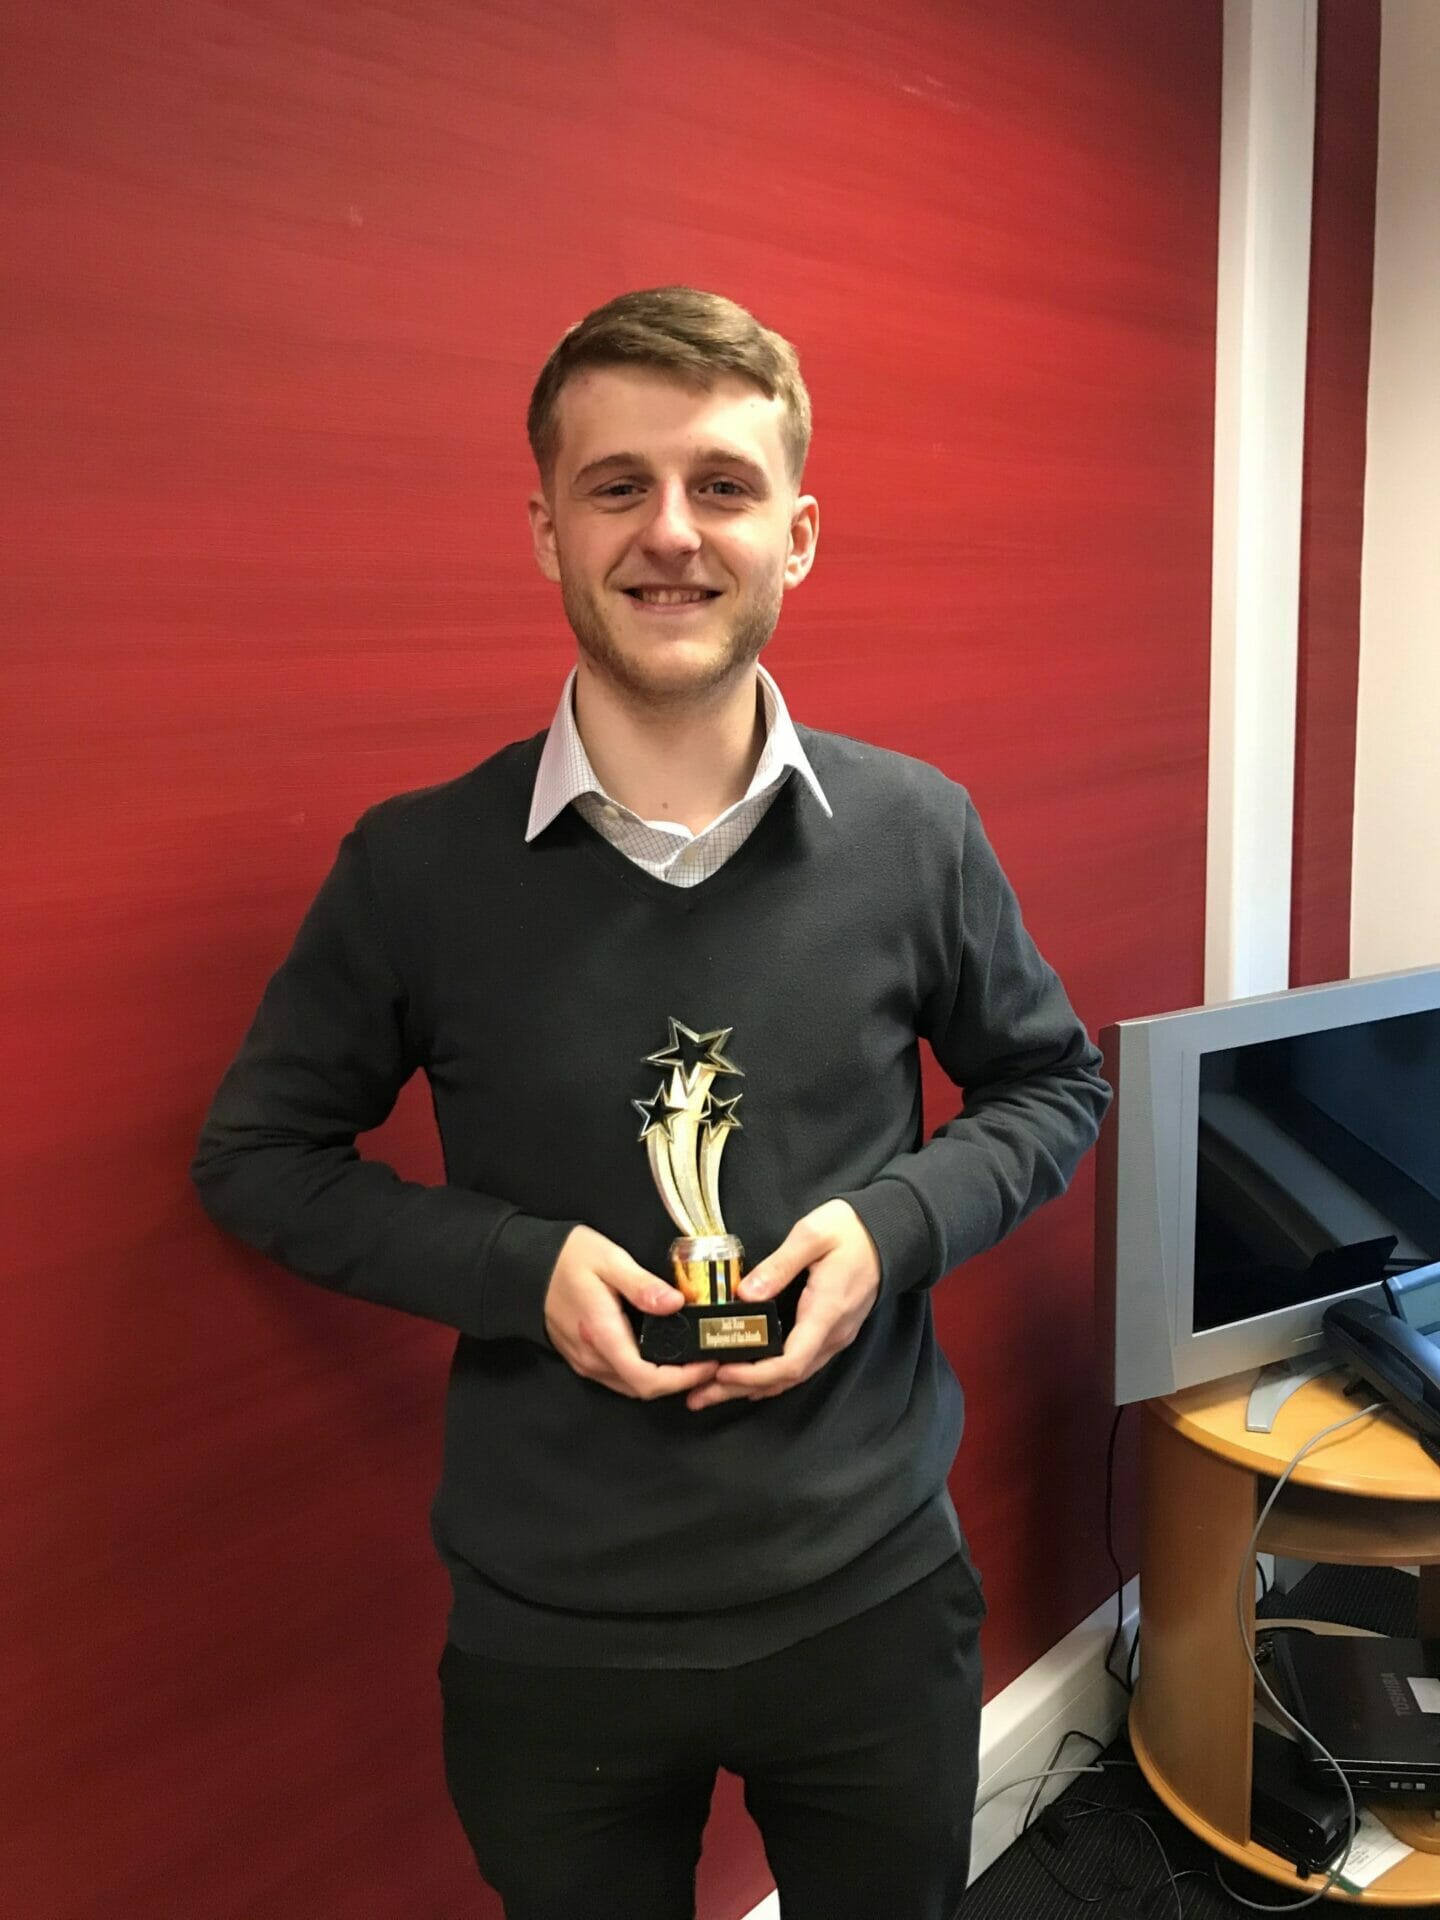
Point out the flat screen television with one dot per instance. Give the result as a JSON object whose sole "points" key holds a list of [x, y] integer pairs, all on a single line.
{"points": [[1261, 1159]]}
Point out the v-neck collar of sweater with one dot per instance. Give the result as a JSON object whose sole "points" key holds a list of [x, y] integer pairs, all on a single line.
{"points": [[684, 899]]}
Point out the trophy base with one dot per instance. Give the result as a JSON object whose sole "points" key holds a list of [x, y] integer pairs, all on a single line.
{"points": [[748, 1330]]}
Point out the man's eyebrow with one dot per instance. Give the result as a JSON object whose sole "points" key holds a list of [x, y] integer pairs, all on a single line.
{"points": [[728, 457], [610, 461], [703, 457]]}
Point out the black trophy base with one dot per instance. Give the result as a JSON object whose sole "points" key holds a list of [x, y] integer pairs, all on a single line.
{"points": [[741, 1330]]}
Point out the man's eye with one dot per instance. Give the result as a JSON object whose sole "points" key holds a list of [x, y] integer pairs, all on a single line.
{"points": [[727, 488], [617, 490]]}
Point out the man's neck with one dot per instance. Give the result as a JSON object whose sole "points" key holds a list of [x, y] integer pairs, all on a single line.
{"points": [[685, 763]]}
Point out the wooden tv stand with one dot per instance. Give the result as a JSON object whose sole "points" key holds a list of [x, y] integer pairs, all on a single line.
{"points": [[1364, 1497]]}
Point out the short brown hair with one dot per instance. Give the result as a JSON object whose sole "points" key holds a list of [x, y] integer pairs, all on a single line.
{"points": [[696, 337]]}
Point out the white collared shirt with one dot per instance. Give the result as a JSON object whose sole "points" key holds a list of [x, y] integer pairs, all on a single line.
{"points": [[665, 848]]}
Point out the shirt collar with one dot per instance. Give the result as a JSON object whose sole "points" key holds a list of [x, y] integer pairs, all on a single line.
{"points": [[565, 771]]}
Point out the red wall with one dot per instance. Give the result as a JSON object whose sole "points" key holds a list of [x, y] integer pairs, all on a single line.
{"points": [[1337, 377], [281, 275]]}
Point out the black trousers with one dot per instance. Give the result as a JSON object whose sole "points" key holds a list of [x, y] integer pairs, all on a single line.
{"points": [[584, 1792]]}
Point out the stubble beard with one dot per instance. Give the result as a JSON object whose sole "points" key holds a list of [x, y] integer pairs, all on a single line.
{"points": [[739, 647]]}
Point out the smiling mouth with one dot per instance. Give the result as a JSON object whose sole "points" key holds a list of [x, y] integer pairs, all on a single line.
{"points": [[671, 596]]}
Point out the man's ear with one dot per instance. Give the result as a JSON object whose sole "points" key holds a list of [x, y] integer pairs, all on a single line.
{"points": [[804, 534], [542, 535]]}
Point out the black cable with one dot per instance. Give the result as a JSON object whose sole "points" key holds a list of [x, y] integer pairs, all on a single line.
{"points": [[1053, 1820], [1171, 1876], [1085, 1899], [1051, 1824], [1185, 1873], [1071, 1733], [1123, 1870], [1130, 1662], [1089, 1808], [1119, 1634]]}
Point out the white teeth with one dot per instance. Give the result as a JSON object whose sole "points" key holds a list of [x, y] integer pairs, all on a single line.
{"points": [[669, 596]]}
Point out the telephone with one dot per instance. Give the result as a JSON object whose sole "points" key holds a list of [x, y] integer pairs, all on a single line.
{"points": [[1395, 1348]]}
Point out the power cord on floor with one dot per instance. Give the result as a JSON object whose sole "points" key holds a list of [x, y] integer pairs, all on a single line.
{"points": [[1053, 1820], [1053, 1766], [1135, 1902], [1051, 1823]]}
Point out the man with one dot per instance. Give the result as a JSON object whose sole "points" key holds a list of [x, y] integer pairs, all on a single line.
{"points": [[660, 1570]]}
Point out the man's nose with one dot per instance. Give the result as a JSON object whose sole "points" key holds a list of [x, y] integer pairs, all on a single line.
{"points": [[671, 527]]}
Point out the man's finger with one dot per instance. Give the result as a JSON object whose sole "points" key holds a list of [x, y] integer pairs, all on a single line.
{"points": [[787, 1369], [639, 1380], [798, 1250], [658, 1383], [614, 1345], [714, 1395]]}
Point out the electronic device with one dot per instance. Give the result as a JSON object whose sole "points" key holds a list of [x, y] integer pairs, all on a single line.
{"points": [[1396, 1359], [1302, 1822], [1262, 1159], [1373, 1703]]}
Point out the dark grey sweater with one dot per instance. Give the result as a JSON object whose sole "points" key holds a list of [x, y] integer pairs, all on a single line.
{"points": [[530, 983]]}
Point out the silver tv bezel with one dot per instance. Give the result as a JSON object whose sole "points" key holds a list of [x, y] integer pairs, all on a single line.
{"points": [[1145, 1267]]}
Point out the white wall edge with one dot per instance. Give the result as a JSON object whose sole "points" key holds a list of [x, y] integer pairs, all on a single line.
{"points": [[1395, 878], [1267, 164]]}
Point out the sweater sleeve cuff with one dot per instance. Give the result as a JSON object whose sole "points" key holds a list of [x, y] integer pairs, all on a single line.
{"points": [[892, 1215], [517, 1273]]}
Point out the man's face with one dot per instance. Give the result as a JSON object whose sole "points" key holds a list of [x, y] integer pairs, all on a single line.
{"points": [[672, 528]]}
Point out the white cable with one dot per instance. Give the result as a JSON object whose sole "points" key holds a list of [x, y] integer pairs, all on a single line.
{"points": [[1247, 1559], [1024, 1780]]}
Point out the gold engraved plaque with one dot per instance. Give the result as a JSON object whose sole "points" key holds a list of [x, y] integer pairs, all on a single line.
{"points": [[734, 1330], [685, 1127]]}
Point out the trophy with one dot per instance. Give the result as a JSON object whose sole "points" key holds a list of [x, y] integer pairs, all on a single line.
{"points": [[684, 1133]]}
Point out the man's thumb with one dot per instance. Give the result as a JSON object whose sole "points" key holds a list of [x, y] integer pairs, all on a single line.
{"points": [[643, 1290], [775, 1272]]}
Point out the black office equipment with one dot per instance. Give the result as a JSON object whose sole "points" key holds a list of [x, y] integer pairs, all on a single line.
{"points": [[1301, 1821], [1394, 1358], [1371, 1702]]}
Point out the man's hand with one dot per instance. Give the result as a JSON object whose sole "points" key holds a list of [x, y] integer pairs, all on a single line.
{"points": [[842, 1287], [587, 1325]]}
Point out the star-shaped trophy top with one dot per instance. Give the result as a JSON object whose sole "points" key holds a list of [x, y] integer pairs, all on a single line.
{"points": [[720, 1115], [658, 1113], [689, 1051]]}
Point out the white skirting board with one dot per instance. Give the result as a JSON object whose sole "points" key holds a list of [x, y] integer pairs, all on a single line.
{"points": [[1019, 1728]]}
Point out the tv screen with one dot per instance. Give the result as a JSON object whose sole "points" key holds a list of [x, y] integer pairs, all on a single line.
{"points": [[1317, 1166]]}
